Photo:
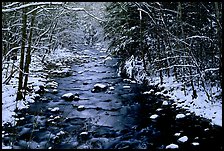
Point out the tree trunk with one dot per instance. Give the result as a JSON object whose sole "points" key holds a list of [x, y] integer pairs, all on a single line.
{"points": [[28, 55], [23, 44], [218, 17]]}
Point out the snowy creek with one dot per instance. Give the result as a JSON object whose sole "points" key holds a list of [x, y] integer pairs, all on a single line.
{"points": [[120, 116]]}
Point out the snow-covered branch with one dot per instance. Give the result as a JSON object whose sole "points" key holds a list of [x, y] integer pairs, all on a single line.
{"points": [[184, 66], [156, 60], [200, 37], [29, 5], [83, 9]]}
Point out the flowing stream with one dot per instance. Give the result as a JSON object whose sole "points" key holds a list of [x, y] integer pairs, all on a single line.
{"points": [[118, 117]]}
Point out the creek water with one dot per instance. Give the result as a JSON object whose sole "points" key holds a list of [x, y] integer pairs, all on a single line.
{"points": [[117, 118]]}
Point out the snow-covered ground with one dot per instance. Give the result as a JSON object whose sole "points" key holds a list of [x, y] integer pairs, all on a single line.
{"points": [[36, 78], [201, 106]]}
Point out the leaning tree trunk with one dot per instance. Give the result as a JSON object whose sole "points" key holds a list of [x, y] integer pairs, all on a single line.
{"points": [[24, 36]]}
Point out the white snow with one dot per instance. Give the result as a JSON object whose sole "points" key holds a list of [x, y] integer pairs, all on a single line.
{"points": [[183, 139], [172, 146], [178, 116]]}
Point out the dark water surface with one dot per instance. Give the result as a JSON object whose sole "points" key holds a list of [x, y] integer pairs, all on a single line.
{"points": [[116, 118]]}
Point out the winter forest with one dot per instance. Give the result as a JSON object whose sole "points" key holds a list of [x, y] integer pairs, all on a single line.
{"points": [[112, 75]]}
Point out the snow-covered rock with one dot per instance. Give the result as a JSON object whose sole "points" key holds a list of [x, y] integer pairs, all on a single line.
{"points": [[159, 109], [133, 82], [68, 96], [54, 109], [154, 116], [111, 88], [60, 133], [76, 97], [62, 73], [54, 91], [178, 116], [182, 139], [158, 93], [126, 87], [102, 86], [99, 87], [165, 103], [107, 59], [127, 80], [84, 133], [177, 134], [52, 84], [172, 146], [195, 143], [81, 108]]}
